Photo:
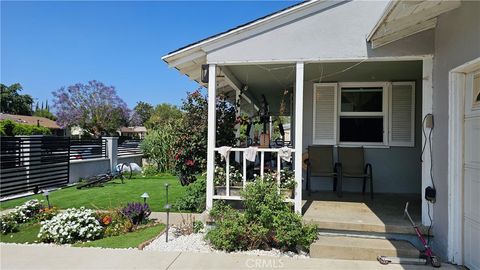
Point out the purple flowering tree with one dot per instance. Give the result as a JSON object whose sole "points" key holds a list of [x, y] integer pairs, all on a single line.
{"points": [[94, 107]]}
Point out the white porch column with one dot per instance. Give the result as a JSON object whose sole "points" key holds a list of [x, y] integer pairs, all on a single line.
{"points": [[298, 135], [427, 105], [212, 83]]}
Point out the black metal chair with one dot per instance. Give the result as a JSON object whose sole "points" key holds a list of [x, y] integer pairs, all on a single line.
{"points": [[320, 163], [352, 163]]}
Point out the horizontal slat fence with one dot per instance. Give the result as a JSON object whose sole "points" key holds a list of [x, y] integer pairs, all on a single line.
{"points": [[129, 147], [88, 149], [33, 163]]}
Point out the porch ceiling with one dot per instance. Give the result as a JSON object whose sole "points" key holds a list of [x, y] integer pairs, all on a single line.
{"points": [[272, 80]]}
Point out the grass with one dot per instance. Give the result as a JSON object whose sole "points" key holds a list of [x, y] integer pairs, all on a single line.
{"points": [[27, 234], [129, 240], [113, 194]]}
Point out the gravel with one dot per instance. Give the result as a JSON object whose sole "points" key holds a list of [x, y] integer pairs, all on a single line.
{"points": [[195, 243]]}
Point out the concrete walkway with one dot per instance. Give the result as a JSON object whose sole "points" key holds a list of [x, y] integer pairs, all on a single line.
{"points": [[15, 256]]}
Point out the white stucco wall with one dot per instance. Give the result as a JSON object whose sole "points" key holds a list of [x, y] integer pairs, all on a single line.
{"points": [[457, 40], [335, 33]]}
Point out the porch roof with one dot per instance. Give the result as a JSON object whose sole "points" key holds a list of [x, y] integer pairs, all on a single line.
{"points": [[405, 18]]}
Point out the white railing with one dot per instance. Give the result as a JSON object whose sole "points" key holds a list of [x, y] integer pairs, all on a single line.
{"points": [[262, 152]]}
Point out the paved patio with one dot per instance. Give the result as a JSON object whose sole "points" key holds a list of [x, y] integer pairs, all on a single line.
{"points": [[54, 257]]}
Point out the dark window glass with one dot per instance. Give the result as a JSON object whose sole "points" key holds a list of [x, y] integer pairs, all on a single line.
{"points": [[361, 129], [362, 99], [478, 97]]}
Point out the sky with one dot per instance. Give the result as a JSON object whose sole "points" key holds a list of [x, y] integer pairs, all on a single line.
{"points": [[47, 45]]}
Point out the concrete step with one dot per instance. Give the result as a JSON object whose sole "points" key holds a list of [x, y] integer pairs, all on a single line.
{"points": [[358, 248]]}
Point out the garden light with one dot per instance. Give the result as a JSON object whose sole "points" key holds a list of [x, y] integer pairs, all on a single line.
{"points": [[46, 194], [167, 207], [145, 197]]}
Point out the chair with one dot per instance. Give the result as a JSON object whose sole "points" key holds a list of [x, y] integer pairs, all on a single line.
{"points": [[352, 163], [320, 163]]}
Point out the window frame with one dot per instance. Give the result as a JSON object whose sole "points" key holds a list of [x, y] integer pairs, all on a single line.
{"points": [[384, 113]]}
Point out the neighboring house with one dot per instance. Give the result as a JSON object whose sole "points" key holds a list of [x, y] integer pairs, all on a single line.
{"points": [[366, 73], [35, 121], [135, 132]]}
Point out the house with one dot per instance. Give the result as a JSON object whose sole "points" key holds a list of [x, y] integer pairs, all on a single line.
{"points": [[34, 121], [133, 132], [399, 78]]}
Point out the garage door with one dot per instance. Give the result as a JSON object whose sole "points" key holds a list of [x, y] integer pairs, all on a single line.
{"points": [[471, 219]]}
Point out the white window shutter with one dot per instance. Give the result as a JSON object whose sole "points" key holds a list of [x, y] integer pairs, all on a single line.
{"points": [[325, 113], [402, 114]]}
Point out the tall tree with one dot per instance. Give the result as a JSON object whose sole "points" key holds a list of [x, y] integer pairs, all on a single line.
{"points": [[93, 106], [141, 113], [14, 103], [163, 114]]}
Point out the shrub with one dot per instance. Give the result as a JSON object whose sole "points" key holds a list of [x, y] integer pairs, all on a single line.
{"points": [[114, 223], [46, 213], [11, 128], [149, 170], [71, 226], [197, 226], [136, 212], [158, 147], [26, 211], [8, 224], [266, 222], [194, 198]]}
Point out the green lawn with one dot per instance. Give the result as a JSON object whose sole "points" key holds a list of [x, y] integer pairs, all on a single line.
{"points": [[129, 240], [113, 194], [27, 234]]}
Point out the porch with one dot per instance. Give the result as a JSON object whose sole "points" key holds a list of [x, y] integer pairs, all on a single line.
{"points": [[265, 95]]}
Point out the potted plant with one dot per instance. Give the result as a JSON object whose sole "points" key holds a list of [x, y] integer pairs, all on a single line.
{"points": [[235, 179], [219, 180], [287, 183]]}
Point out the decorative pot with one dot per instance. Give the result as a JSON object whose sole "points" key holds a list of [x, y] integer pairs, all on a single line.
{"points": [[221, 190], [287, 193], [235, 191]]}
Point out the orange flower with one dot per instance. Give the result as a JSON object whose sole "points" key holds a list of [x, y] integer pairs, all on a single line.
{"points": [[106, 220]]}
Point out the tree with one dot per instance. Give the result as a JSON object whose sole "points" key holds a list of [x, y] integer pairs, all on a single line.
{"points": [[163, 114], [45, 113], [14, 103], [191, 138], [141, 113], [94, 107]]}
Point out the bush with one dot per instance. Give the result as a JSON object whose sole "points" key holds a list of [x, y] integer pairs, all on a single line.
{"points": [[8, 224], [149, 170], [194, 198], [11, 128], [114, 223], [158, 147], [71, 226], [136, 212], [46, 213], [27, 211], [266, 222]]}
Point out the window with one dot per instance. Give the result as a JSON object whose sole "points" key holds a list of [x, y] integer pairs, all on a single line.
{"points": [[371, 114], [361, 114]]}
